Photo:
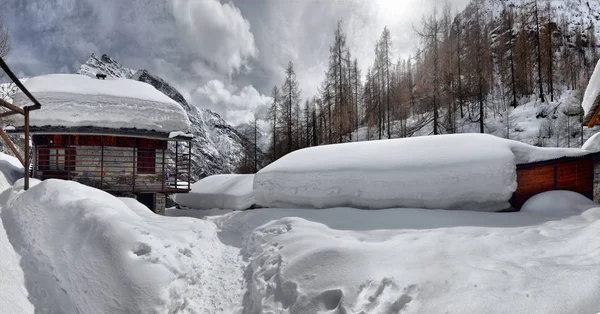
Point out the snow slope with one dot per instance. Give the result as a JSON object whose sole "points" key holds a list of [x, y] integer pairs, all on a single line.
{"points": [[225, 191], [72, 100], [462, 171]]}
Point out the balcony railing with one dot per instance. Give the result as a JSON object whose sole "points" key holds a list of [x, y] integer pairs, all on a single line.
{"points": [[117, 169]]}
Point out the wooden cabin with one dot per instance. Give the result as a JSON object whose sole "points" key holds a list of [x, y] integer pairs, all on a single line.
{"points": [[577, 174], [128, 145]]}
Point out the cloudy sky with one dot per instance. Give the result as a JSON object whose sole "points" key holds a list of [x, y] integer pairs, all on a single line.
{"points": [[221, 55]]}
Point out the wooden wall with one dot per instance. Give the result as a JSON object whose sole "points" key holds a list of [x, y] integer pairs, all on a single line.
{"points": [[112, 163], [572, 174]]}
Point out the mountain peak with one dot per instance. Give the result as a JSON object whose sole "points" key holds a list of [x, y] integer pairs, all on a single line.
{"points": [[105, 65]]}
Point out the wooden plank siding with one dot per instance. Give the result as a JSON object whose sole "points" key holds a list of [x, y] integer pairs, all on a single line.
{"points": [[572, 174], [111, 163]]}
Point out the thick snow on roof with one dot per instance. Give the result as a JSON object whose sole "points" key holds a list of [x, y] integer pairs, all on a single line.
{"points": [[592, 91], [225, 191], [72, 100], [463, 171]]}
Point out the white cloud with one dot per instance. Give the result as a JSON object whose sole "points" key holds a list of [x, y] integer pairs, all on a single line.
{"points": [[302, 31], [216, 31], [234, 104]]}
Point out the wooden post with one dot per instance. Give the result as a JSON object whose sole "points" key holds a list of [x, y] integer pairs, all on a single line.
{"points": [[163, 170], [34, 161], [189, 164], [134, 164], [26, 153], [101, 161]]}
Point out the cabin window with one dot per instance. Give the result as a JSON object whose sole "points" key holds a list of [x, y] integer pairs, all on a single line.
{"points": [[56, 159], [146, 163]]}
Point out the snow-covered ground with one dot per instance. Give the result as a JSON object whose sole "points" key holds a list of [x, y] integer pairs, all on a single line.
{"points": [[225, 191], [68, 248]]}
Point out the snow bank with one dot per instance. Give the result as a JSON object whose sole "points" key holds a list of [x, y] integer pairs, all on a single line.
{"points": [[72, 100], [592, 91], [300, 266], [592, 144], [225, 191], [85, 251], [558, 202], [13, 294], [465, 171]]}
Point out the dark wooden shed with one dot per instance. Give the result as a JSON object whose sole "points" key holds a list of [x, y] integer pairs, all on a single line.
{"points": [[568, 173]]}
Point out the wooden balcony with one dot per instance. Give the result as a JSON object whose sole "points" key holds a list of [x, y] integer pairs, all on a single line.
{"points": [[118, 169]]}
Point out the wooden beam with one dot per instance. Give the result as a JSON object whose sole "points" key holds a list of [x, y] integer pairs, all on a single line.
{"points": [[594, 119], [26, 153], [12, 146], [12, 107], [13, 77]]}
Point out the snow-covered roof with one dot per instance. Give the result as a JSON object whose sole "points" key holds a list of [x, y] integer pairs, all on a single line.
{"points": [[592, 144], [71, 100], [461, 171], [591, 92]]}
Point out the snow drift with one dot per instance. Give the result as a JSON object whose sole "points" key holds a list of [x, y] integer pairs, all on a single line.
{"points": [[86, 251], [72, 100], [224, 191], [464, 171], [344, 260], [13, 294]]}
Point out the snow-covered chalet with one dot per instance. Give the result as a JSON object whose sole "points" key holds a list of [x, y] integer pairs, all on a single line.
{"points": [[119, 135]]}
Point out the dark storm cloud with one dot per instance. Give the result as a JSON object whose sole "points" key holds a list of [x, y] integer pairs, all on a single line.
{"points": [[221, 55]]}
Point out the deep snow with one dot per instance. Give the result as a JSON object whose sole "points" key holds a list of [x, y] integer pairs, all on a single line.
{"points": [[72, 100], [461, 171], [225, 191], [85, 251], [69, 248], [345, 260]]}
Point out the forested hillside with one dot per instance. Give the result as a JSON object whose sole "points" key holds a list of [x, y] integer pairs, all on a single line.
{"points": [[513, 68]]}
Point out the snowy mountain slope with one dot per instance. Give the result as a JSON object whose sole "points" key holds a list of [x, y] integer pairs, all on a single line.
{"points": [[577, 15], [105, 65], [160, 84]]}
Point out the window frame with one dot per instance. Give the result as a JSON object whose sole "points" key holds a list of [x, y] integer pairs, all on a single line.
{"points": [[146, 161]]}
